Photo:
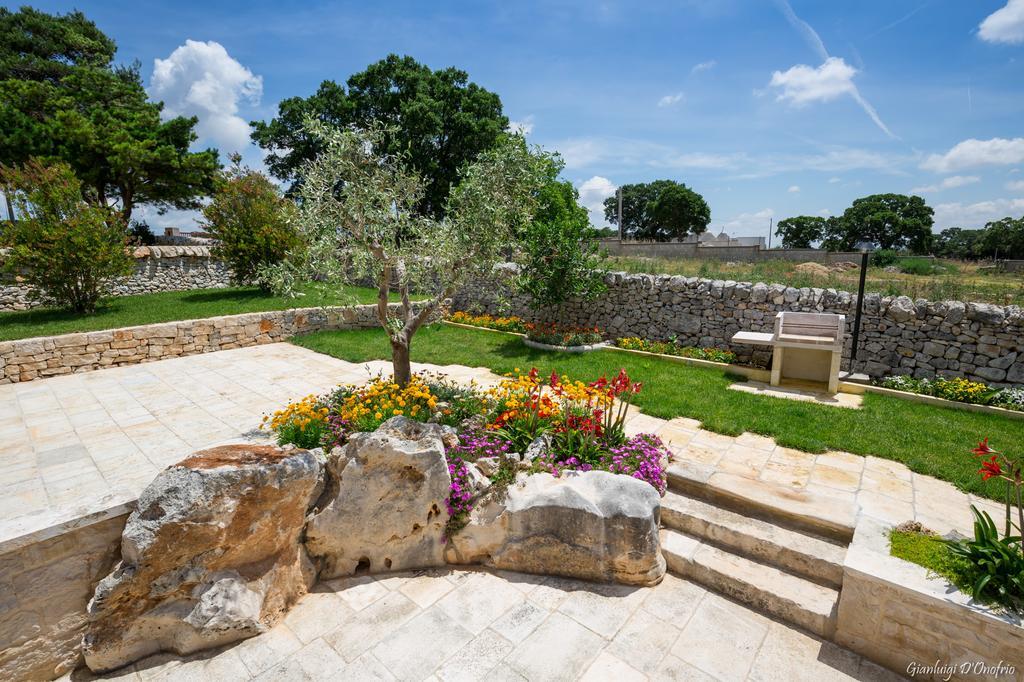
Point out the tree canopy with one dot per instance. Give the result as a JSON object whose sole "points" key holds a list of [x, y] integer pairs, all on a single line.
{"points": [[889, 221], [801, 232], [439, 121], [63, 99], [661, 211]]}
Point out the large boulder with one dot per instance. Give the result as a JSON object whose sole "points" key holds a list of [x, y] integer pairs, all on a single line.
{"points": [[592, 525], [385, 505], [213, 554]]}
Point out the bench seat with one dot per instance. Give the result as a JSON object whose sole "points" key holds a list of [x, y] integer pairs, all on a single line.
{"points": [[806, 340], [754, 338]]}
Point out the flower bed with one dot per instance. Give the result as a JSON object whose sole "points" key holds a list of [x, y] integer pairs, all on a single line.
{"points": [[553, 334], [501, 324], [524, 425], [959, 390], [669, 348]]}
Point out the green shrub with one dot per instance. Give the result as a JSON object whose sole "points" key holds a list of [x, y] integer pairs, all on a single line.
{"points": [[139, 233], [884, 257], [997, 563], [919, 266], [252, 223], [62, 247]]}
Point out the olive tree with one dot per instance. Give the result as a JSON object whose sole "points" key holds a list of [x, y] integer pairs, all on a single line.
{"points": [[360, 222]]}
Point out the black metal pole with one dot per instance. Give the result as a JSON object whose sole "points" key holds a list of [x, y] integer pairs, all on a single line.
{"points": [[860, 307]]}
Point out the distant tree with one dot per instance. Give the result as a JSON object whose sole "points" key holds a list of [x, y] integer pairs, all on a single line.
{"points": [[661, 211], [801, 232], [62, 99], [253, 224], [955, 242], [361, 220], [140, 233], [558, 255], [438, 120], [1003, 239], [64, 248], [889, 221]]}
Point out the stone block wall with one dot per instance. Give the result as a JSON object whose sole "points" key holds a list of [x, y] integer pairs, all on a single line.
{"points": [[157, 268], [898, 336], [44, 589], [29, 359]]}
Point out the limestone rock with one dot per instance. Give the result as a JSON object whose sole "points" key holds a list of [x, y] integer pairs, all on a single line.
{"points": [[592, 525], [212, 555], [385, 505]]}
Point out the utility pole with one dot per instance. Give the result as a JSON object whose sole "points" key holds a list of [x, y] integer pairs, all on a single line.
{"points": [[771, 222], [620, 214]]}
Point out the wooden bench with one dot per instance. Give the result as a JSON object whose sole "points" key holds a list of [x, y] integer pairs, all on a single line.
{"points": [[806, 346]]}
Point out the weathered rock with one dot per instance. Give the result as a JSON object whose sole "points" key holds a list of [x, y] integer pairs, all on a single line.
{"points": [[212, 555], [385, 505], [487, 465], [540, 445], [593, 525]]}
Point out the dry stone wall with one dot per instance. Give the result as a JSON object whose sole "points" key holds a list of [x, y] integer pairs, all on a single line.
{"points": [[29, 359], [922, 338], [157, 268]]}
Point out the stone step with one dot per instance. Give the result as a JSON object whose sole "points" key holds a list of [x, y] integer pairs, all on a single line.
{"points": [[797, 552], [822, 515], [779, 594]]}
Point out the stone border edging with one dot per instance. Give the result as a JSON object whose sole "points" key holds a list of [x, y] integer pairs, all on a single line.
{"points": [[939, 402], [892, 612], [565, 349]]}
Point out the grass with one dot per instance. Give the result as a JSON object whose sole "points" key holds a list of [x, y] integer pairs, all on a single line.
{"points": [[165, 306], [930, 440], [930, 551], [935, 280]]}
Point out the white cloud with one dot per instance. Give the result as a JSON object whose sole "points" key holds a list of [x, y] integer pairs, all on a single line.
{"points": [[700, 160], [833, 181], [593, 192], [185, 220], [812, 38], [793, 189], [202, 79], [1005, 25], [803, 84], [948, 183], [524, 126], [824, 212], [1015, 186], [956, 214], [703, 66], [669, 100], [581, 152], [747, 224], [972, 152]]}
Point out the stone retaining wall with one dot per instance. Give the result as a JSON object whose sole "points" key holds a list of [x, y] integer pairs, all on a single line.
{"points": [[979, 341], [46, 585], [157, 268], [28, 359]]}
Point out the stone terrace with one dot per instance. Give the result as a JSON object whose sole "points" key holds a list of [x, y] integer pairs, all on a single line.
{"points": [[475, 625]]}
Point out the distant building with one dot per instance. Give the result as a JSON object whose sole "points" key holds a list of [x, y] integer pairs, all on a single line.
{"points": [[172, 232], [723, 239]]}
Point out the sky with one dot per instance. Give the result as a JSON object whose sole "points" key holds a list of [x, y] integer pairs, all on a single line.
{"points": [[768, 108]]}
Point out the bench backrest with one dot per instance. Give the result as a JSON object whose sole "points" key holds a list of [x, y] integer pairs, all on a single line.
{"points": [[810, 324]]}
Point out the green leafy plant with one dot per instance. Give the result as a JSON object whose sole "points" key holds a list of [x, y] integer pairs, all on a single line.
{"points": [[253, 225], [553, 334], [997, 563], [65, 249]]}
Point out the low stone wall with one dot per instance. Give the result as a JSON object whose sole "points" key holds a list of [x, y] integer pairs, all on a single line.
{"points": [[898, 336], [157, 268], [46, 580], [892, 612], [29, 359]]}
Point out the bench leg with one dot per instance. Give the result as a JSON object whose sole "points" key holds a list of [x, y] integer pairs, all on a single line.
{"points": [[833, 373], [776, 366]]}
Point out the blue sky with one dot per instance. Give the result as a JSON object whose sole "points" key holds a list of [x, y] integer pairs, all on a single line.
{"points": [[767, 108]]}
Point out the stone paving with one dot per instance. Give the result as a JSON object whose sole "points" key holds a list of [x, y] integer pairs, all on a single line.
{"points": [[480, 625]]}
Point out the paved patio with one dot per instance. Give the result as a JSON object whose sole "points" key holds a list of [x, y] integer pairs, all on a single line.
{"points": [[479, 625]]}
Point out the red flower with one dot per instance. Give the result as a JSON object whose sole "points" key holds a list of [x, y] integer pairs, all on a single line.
{"points": [[982, 449], [554, 379], [990, 468]]}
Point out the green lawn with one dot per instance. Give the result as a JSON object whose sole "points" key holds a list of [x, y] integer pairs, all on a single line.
{"points": [[928, 439], [165, 306]]}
